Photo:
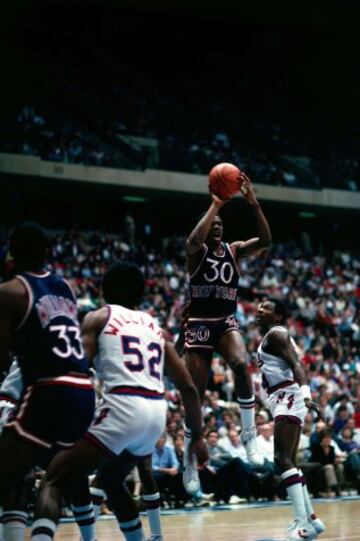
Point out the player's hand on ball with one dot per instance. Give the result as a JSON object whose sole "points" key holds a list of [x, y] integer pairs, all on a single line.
{"points": [[313, 406], [199, 449], [247, 189], [217, 201]]}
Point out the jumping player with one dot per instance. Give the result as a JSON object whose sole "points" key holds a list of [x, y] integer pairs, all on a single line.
{"points": [[39, 325], [128, 350], [213, 266], [289, 398]]}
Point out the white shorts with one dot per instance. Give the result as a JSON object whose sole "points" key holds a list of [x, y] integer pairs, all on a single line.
{"points": [[126, 422], [288, 402]]}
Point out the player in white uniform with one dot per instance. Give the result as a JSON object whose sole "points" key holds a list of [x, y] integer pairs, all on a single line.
{"points": [[10, 391], [289, 399], [129, 352]]}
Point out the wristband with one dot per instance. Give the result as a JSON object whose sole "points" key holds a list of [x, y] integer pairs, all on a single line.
{"points": [[305, 391]]}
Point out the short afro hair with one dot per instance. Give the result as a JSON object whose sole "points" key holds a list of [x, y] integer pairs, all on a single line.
{"points": [[280, 308], [28, 245], [123, 284]]}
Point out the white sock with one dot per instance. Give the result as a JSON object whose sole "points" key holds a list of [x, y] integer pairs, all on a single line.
{"points": [[97, 498], [308, 505], [43, 529], [292, 481], [132, 530], [14, 525], [85, 519], [152, 503], [247, 409]]}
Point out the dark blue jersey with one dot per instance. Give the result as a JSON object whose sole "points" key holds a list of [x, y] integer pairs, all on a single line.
{"points": [[47, 341], [214, 285]]}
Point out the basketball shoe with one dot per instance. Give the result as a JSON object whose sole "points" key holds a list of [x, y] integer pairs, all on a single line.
{"points": [[316, 523], [191, 479], [304, 531], [248, 438]]}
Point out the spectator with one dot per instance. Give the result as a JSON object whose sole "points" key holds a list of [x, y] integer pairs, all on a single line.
{"points": [[324, 454], [166, 472]]}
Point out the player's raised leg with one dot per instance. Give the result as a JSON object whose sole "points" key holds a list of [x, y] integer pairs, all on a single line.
{"points": [[232, 348], [198, 362]]}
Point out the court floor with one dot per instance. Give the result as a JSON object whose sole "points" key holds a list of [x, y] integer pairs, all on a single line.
{"points": [[262, 522]]}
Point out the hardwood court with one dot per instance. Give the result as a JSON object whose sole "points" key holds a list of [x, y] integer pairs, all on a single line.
{"points": [[342, 519]]}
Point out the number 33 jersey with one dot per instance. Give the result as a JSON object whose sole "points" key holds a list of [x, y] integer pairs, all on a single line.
{"points": [[214, 285], [131, 353], [47, 341]]}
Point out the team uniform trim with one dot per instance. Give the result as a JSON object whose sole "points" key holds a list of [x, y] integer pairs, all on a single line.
{"points": [[98, 444], [137, 391]]}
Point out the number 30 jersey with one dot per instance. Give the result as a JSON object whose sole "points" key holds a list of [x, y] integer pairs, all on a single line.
{"points": [[214, 285], [47, 342], [130, 352]]}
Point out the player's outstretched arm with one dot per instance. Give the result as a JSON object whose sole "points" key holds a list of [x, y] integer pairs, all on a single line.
{"points": [[180, 375], [263, 240], [198, 235], [180, 342], [281, 346]]}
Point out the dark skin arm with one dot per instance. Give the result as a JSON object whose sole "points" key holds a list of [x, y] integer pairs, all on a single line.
{"points": [[279, 344], [180, 342], [259, 244], [179, 374], [195, 243], [13, 306], [91, 327]]}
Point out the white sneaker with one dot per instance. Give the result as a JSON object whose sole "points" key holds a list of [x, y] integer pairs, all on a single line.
{"points": [[234, 500], [154, 537], [304, 531], [248, 438], [318, 525], [191, 479], [292, 525]]}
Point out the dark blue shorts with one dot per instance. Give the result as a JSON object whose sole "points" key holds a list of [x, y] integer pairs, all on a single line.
{"points": [[55, 411], [204, 334]]}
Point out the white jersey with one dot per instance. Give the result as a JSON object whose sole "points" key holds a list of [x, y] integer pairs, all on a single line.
{"points": [[275, 370], [12, 386], [130, 351], [10, 393]]}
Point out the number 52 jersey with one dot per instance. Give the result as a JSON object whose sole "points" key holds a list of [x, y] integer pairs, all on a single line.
{"points": [[130, 356]]}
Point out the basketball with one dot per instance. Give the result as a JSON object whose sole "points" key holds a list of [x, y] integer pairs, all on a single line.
{"points": [[225, 180]]}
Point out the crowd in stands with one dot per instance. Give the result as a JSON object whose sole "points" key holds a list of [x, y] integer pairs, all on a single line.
{"points": [[323, 298], [101, 135], [56, 139]]}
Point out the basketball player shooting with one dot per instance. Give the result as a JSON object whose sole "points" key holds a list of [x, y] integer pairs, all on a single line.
{"points": [[213, 266]]}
